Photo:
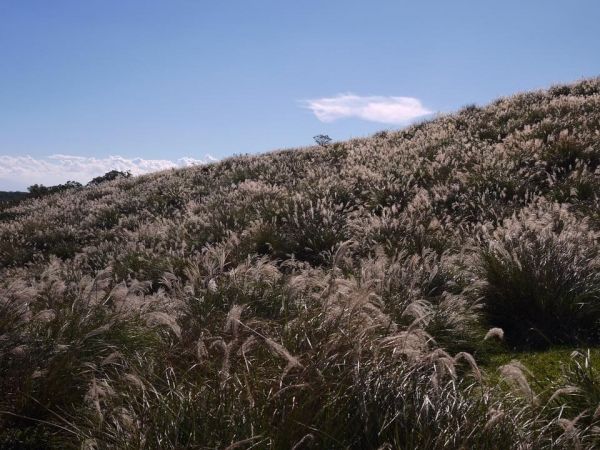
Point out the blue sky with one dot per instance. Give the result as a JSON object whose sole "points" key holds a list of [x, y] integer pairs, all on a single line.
{"points": [[145, 84]]}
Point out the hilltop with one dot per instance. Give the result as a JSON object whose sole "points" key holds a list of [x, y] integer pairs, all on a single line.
{"points": [[361, 294]]}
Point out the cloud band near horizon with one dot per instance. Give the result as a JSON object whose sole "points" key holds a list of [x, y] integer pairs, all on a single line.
{"points": [[18, 172], [388, 110]]}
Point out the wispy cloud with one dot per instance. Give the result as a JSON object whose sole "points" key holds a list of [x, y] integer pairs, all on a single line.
{"points": [[22, 171], [390, 110]]}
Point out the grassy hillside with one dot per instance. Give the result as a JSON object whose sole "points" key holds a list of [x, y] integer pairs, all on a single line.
{"points": [[369, 294]]}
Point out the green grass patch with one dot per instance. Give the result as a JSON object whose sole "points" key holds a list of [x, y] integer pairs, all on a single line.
{"points": [[547, 367]]}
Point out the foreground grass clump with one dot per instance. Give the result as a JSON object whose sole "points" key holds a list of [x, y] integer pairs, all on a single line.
{"points": [[543, 278], [376, 293]]}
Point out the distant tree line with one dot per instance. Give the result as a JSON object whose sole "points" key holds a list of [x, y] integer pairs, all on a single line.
{"points": [[109, 176], [39, 190], [6, 196]]}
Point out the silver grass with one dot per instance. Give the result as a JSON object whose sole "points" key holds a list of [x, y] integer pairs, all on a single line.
{"points": [[494, 333], [513, 373], [160, 318]]}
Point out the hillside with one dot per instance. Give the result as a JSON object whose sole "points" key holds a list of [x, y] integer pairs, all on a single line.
{"points": [[367, 294]]}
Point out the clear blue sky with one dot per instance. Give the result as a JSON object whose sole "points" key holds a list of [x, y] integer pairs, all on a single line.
{"points": [[162, 80]]}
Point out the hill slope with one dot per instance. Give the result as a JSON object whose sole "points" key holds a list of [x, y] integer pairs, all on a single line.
{"points": [[328, 297]]}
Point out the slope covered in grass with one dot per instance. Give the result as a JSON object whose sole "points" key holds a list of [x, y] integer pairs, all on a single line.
{"points": [[325, 297]]}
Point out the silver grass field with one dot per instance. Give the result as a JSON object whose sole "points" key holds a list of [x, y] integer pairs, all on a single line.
{"points": [[368, 294]]}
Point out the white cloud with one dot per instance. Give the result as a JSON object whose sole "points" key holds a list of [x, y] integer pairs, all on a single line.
{"points": [[390, 110], [18, 172]]}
